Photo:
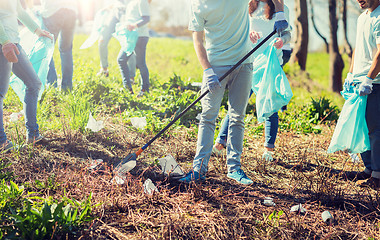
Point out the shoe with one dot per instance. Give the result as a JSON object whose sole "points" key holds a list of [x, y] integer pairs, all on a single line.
{"points": [[103, 73], [268, 156], [240, 177], [141, 93], [371, 182], [6, 146], [192, 177], [355, 175], [218, 149], [38, 139]]}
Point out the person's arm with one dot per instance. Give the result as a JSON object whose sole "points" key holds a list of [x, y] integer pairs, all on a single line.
{"points": [[4, 39], [25, 19], [281, 24], [209, 77], [200, 49], [144, 20], [352, 63], [375, 66]]}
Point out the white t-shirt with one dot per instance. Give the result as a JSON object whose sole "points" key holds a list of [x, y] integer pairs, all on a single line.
{"points": [[134, 11], [259, 23], [226, 27], [367, 38], [49, 7], [10, 11]]}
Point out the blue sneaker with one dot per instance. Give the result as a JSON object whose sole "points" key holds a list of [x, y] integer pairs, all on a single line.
{"points": [[192, 176], [240, 177]]}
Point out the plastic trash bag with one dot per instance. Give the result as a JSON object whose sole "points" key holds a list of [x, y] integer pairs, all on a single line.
{"points": [[270, 84], [127, 39], [170, 166], [97, 28], [40, 56], [149, 187], [351, 131], [139, 122], [94, 125]]}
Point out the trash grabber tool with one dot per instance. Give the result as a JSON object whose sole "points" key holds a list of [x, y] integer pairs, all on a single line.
{"points": [[129, 162]]}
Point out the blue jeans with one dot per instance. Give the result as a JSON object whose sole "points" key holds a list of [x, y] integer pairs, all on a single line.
{"points": [[239, 84], [105, 37], [271, 123], [371, 158], [271, 128], [123, 60], [24, 70], [62, 24]]}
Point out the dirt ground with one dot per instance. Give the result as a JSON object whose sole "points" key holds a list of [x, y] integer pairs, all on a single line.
{"points": [[218, 208]]}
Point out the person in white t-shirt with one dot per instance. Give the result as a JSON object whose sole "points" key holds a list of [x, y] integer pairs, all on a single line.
{"points": [[137, 15], [59, 18], [14, 59], [364, 73]]}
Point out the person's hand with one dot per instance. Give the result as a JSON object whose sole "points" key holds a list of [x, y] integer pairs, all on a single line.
{"points": [[131, 27], [254, 36], [43, 33], [10, 52], [365, 86], [281, 24], [348, 81], [212, 81], [278, 43]]}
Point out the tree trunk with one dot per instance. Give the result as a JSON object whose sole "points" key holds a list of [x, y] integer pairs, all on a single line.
{"points": [[299, 55], [347, 45], [336, 61], [315, 26]]}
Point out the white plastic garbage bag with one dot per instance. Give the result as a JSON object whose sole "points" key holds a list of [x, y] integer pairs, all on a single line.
{"points": [[94, 125], [139, 122], [149, 187], [16, 116], [169, 166], [298, 209]]}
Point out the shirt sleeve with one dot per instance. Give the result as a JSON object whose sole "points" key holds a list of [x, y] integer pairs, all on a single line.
{"points": [[24, 17], [197, 22]]}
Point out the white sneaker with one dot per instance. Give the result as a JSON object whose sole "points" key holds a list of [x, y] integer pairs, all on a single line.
{"points": [[268, 156]]}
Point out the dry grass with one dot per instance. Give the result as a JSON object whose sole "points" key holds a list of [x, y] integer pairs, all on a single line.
{"points": [[215, 209]]}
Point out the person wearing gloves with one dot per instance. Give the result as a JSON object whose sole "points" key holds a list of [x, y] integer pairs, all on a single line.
{"points": [[364, 73], [14, 59], [115, 11], [261, 23], [59, 18], [224, 25], [137, 16]]}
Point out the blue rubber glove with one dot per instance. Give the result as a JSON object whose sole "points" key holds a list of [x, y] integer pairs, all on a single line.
{"points": [[365, 86], [211, 80], [281, 24], [348, 81]]}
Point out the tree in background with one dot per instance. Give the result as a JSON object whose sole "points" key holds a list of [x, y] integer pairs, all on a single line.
{"points": [[299, 55], [336, 61], [312, 18]]}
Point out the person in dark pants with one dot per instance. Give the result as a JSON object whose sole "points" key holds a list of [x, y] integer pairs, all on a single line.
{"points": [[364, 72]]}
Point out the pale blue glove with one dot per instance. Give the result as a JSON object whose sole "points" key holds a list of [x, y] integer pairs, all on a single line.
{"points": [[365, 86], [211, 80], [348, 81], [281, 24]]}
